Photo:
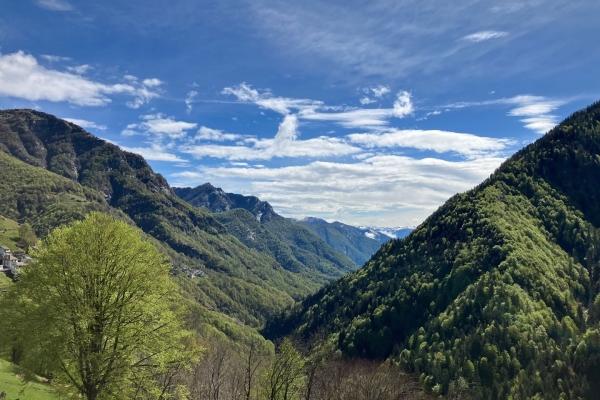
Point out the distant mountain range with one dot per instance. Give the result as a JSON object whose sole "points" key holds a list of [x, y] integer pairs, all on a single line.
{"points": [[359, 243], [256, 225]]}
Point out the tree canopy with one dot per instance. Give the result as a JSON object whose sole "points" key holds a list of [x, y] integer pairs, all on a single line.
{"points": [[96, 311]]}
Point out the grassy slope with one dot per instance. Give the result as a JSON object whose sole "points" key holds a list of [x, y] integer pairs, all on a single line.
{"points": [[13, 383], [496, 287], [9, 233]]}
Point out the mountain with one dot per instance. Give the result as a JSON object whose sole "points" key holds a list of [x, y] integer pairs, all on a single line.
{"points": [[497, 291], [357, 243], [216, 200], [384, 234], [54, 172], [295, 247]]}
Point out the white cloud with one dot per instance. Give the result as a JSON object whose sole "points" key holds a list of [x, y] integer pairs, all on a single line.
{"points": [[52, 58], [284, 144], [281, 105], [55, 5], [483, 36], [154, 153], [189, 100], [80, 69], [366, 100], [85, 124], [359, 118], [536, 110], [21, 76], [148, 90], [160, 126], [465, 144], [380, 91], [317, 110], [368, 118], [369, 186], [403, 105], [152, 82], [216, 135], [243, 92]]}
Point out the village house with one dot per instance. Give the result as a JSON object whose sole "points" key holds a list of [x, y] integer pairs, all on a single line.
{"points": [[4, 250], [10, 262]]}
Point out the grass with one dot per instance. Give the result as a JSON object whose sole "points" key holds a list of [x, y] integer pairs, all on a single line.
{"points": [[16, 387], [9, 233], [4, 282]]}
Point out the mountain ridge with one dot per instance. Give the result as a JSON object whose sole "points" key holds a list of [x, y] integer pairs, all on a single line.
{"points": [[291, 244], [55, 172], [497, 290]]}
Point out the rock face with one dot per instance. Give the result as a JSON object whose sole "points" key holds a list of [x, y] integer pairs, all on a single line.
{"points": [[216, 200], [66, 149]]}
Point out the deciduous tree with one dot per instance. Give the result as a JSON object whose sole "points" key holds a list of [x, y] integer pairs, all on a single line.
{"points": [[97, 311]]}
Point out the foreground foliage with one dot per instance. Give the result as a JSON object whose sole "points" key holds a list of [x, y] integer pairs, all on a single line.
{"points": [[253, 371], [498, 288], [97, 311]]}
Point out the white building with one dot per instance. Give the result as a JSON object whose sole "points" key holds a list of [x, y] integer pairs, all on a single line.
{"points": [[4, 251]]}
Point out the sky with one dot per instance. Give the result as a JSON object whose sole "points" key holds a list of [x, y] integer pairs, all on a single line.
{"points": [[366, 112]]}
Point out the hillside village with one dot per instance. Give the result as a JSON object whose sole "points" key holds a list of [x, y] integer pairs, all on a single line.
{"points": [[12, 254], [12, 261]]}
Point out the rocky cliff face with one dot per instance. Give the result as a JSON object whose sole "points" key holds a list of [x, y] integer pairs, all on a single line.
{"points": [[216, 200]]}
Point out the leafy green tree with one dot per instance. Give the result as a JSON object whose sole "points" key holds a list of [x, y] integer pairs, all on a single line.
{"points": [[97, 311], [284, 378], [27, 235]]}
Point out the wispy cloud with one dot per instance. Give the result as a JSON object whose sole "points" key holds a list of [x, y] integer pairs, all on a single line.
{"points": [[316, 110], [53, 58], [368, 186], [282, 105], [79, 69], [534, 110], [21, 76], [465, 144], [367, 100], [160, 126], [483, 36], [284, 144], [85, 124], [55, 5], [189, 100], [216, 135]]}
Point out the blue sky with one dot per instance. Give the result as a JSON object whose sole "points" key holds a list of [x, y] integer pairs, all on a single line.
{"points": [[367, 112]]}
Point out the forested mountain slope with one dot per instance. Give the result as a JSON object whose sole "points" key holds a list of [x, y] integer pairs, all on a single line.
{"points": [[499, 288], [295, 247], [54, 172], [346, 239]]}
